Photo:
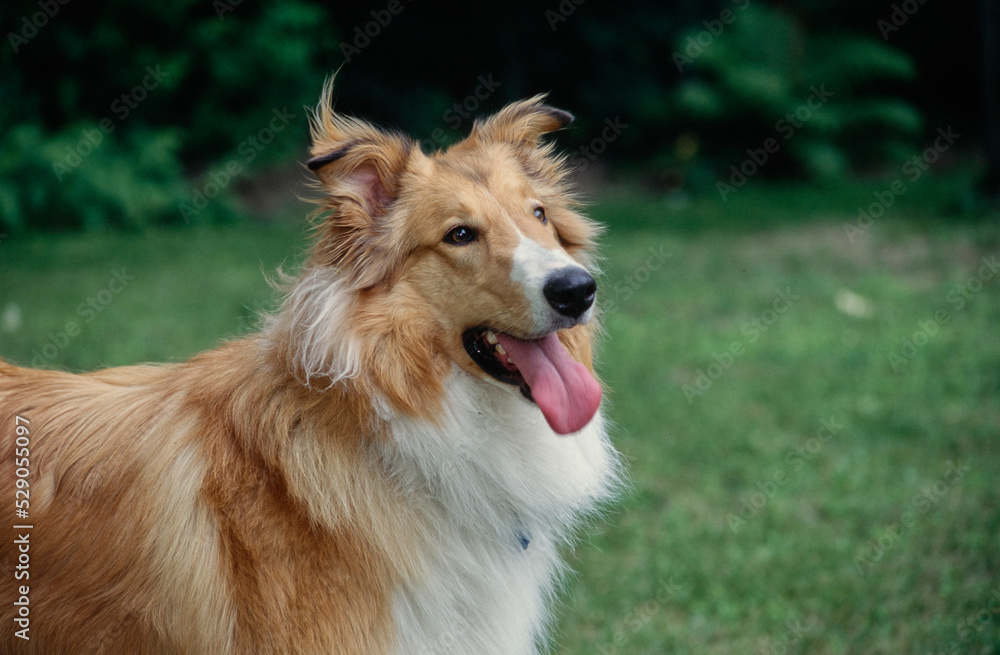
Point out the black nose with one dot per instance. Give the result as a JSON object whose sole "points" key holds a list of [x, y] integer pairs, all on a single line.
{"points": [[570, 291]]}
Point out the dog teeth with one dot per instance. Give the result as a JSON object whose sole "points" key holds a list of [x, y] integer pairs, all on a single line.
{"points": [[491, 339]]}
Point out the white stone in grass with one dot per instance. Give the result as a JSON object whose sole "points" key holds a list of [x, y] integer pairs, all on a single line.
{"points": [[850, 303], [10, 320]]}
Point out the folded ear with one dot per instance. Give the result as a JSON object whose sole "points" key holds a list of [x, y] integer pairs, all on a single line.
{"points": [[354, 159], [521, 124], [359, 168]]}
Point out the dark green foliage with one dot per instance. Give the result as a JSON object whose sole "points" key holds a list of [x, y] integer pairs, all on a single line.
{"points": [[126, 109], [828, 98], [124, 182], [212, 74]]}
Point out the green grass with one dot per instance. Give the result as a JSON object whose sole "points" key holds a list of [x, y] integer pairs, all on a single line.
{"points": [[673, 570]]}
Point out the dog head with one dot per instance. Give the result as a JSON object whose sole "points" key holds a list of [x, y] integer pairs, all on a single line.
{"points": [[471, 256]]}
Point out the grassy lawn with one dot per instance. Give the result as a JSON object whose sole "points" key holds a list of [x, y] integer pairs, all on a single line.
{"points": [[811, 418]]}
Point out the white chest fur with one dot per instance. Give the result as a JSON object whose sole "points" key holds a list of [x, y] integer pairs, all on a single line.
{"points": [[491, 476]]}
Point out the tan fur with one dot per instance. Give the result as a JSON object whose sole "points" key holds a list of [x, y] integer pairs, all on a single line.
{"points": [[234, 504]]}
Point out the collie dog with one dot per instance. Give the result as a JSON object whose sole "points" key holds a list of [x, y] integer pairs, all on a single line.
{"points": [[391, 464]]}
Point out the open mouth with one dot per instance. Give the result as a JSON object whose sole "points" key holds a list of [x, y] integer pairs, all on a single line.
{"points": [[488, 353], [563, 388]]}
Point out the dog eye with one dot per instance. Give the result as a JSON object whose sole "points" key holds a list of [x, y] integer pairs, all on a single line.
{"points": [[540, 215], [459, 236]]}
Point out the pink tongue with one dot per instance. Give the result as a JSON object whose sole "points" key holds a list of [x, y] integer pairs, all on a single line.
{"points": [[564, 389]]}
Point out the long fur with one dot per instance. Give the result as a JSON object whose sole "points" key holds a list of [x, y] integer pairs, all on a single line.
{"points": [[343, 481]]}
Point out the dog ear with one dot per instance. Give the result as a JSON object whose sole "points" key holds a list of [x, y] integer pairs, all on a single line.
{"points": [[359, 169], [356, 161], [521, 124]]}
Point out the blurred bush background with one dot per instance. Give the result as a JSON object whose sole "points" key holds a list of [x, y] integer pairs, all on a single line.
{"points": [[697, 82]]}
